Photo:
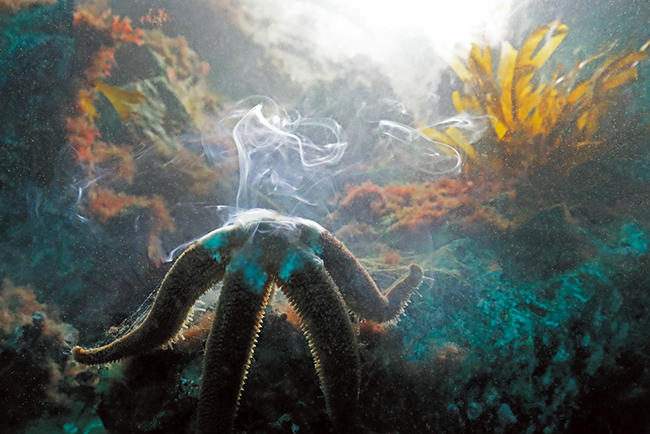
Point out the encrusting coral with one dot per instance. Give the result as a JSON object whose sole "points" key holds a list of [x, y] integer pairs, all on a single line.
{"points": [[256, 253]]}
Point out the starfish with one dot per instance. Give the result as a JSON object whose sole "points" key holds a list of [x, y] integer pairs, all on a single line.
{"points": [[254, 254]]}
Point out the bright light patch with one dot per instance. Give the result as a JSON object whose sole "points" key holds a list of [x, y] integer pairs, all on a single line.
{"points": [[445, 22], [404, 39]]}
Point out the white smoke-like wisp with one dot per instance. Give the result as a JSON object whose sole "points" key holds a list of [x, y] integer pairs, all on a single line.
{"points": [[472, 126], [421, 154], [294, 165], [282, 157]]}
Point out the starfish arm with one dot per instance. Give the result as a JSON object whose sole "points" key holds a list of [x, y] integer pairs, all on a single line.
{"points": [[312, 292], [229, 349], [357, 287], [193, 273]]}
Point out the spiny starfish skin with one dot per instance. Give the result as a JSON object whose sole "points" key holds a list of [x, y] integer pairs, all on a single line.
{"points": [[254, 254]]}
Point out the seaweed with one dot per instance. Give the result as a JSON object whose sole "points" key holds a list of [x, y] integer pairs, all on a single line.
{"points": [[407, 207], [122, 100], [121, 107], [537, 123]]}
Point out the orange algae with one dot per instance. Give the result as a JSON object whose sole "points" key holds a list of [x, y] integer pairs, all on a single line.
{"points": [[105, 204], [116, 184], [288, 313], [371, 328], [83, 135], [123, 31], [193, 338], [118, 30], [409, 206], [536, 123], [390, 256], [18, 308], [156, 18], [102, 63]]}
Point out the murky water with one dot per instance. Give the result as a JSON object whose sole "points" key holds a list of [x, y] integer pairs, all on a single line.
{"points": [[500, 146]]}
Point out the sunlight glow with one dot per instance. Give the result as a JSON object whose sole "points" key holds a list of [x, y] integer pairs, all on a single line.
{"points": [[405, 39], [445, 22]]}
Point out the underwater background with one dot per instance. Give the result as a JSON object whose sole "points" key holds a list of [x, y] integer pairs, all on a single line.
{"points": [[503, 146]]}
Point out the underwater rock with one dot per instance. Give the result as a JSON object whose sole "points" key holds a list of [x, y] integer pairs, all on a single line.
{"points": [[151, 396], [537, 326], [474, 410], [38, 66], [50, 58], [538, 344], [506, 417], [545, 245], [38, 375], [271, 403]]}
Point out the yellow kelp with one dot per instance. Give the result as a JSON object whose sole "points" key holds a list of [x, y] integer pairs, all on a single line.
{"points": [[122, 100], [534, 121]]}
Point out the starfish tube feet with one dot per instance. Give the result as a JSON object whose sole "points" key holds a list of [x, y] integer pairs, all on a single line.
{"points": [[193, 273], [328, 328], [228, 352], [357, 287]]}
